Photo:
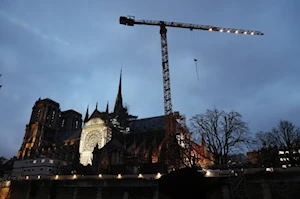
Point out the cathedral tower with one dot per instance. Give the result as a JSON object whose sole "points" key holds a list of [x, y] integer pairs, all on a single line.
{"points": [[42, 128], [70, 120]]}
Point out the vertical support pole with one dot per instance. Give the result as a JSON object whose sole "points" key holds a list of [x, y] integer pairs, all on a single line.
{"points": [[167, 90], [225, 192], [75, 192], [155, 193], [99, 193], [266, 191], [125, 195]]}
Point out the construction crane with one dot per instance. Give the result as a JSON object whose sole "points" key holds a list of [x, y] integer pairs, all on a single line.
{"points": [[130, 21], [0, 80]]}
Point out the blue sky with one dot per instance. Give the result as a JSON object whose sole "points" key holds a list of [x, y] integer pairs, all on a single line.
{"points": [[71, 51]]}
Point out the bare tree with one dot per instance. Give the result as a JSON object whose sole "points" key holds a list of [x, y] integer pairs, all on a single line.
{"points": [[266, 140], [223, 132], [286, 133]]}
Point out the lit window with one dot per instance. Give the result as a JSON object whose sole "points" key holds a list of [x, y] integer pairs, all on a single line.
{"points": [[284, 166], [281, 159], [34, 161], [51, 161], [281, 152], [43, 160], [287, 152]]}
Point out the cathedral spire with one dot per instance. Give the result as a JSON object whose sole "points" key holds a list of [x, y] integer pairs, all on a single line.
{"points": [[107, 107], [97, 106], [86, 115], [119, 100]]}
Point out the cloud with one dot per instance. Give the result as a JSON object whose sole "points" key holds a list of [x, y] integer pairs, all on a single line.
{"points": [[33, 30]]}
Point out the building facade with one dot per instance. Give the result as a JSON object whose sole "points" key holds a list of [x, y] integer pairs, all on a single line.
{"points": [[38, 168], [102, 141]]}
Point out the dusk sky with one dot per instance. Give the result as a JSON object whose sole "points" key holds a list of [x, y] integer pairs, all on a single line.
{"points": [[72, 50]]}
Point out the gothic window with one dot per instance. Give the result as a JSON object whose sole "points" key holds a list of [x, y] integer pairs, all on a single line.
{"points": [[38, 114], [76, 124], [91, 140], [52, 117]]}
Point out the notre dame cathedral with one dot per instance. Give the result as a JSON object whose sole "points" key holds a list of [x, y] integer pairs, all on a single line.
{"points": [[104, 141]]}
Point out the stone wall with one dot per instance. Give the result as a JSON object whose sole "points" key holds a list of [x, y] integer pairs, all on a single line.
{"points": [[259, 186]]}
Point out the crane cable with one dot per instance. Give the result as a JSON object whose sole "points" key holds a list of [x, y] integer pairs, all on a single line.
{"points": [[194, 52]]}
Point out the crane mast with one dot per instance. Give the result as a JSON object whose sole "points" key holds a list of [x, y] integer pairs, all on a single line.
{"points": [[169, 118]]}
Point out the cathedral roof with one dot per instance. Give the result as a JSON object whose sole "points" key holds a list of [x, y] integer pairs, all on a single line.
{"points": [[148, 124], [68, 135], [114, 145]]}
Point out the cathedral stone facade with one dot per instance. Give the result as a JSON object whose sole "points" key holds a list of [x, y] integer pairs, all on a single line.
{"points": [[104, 141]]}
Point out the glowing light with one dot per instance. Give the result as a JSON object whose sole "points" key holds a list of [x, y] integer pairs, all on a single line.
{"points": [[236, 32], [210, 29], [27, 177], [208, 173], [74, 176], [284, 166], [270, 169], [158, 176], [228, 31], [39, 177], [140, 176], [245, 33], [221, 30], [252, 33], [100, 175], [56, 177], [7, 183], [119, 176]]}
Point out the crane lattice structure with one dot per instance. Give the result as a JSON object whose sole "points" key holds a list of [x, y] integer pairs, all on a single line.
{"points": [[169, 118]]}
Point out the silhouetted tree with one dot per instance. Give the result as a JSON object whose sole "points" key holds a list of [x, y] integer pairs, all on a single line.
{"points": [[281, 136], [286, 133], [223, 132]]}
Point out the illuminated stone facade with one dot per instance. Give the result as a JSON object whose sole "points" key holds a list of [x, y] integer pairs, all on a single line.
{"points": [[101, 140], [95, 132]]}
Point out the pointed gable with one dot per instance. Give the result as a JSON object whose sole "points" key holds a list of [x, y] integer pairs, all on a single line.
{"points": [[98, 114]]}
